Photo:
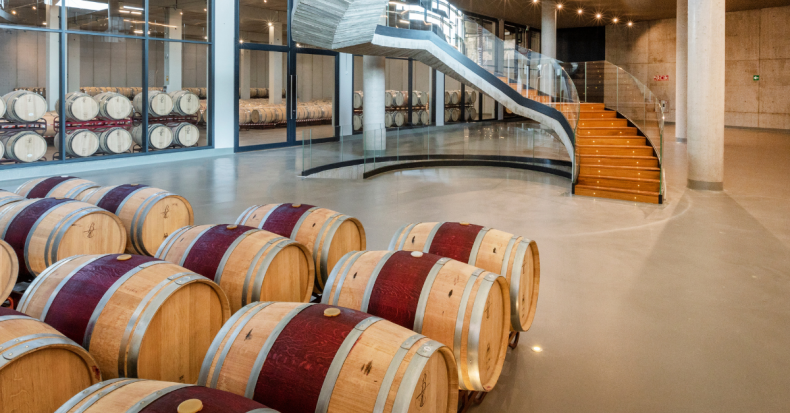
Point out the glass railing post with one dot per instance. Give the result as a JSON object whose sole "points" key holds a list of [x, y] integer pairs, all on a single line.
{"points": [[585, 81]]}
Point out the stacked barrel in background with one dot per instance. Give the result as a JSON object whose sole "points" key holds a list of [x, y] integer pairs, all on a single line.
{"points": [[453, 104], [396, 105]]}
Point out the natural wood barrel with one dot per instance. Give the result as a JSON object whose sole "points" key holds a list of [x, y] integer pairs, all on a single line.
{"points": [[185, 102], [137, 316], [63, 186], [185, 134], [149, 214], [448, 115], [317, 358], [249, 264], [398, 99], [425, 117], [79, 107], [80, 143], [159, 103], [399, 118], [159, 136], [115, 140], [151, 396], [472, 113], [357, 121], [9, 270], [447, 300], [329, 235], [455, 114], [40, 369], [388, 119], [24, 106], [358, 99], [245, 116], [113, 106], [44, 231], [7, 198], [513, 256], [2, 108], [24, 146], [389, 98], [455, 97]]}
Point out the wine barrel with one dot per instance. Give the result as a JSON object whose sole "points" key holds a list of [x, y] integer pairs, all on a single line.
{"points": [[327, 234], [185, 102], [388, 119], [455, 97], [398, 99], [7, 198], [415, 98], [472, 113], [448, 97], [43, 231], [253, 93], [249, 264], [149, 214], [425, 117], [513, 256], [24, 146], [455, 114], [2, 108], [9, 270], [161, 316], [307, 357], [301, 113], [63, 186], [159, 103], [115, 140], [113, 106], [24, 106], [159, 136], [80, 143], [203, 93], [358, 101], [399, 118], [79, 107], [151, 396], [185, 134], [357, 121], [388, 98], [448, 115], [40, 369], [473, 97], [244, 116], [447, 300]]}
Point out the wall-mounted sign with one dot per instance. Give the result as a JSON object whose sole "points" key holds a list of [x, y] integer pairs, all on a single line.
{"points": [[660, 78], [756, 77]]}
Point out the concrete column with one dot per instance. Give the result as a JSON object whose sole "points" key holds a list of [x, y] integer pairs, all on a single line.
{"points": [[52, 56], [439, 98], [373, 75], [73, 63], [173, 51], [276, 65], [244, 73], [681, 71], [224, 76], [706, 97], [346, 92], [548, 29]]}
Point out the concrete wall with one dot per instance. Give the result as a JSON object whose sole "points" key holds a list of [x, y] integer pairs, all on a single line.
{"points": [[22, 51], [757, 43]]}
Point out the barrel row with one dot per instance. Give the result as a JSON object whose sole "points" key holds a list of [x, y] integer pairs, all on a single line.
{"points": [[396, 98], [261, 92], [453, 97], [255, 112], [454, 114], [129, 92]]}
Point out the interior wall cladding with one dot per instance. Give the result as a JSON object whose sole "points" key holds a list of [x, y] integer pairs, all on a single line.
{"points": [[397, 75], [757, 43]]}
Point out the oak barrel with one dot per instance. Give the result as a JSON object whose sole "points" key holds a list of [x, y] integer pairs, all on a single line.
{"points": [[471, 113], [425, 117], [513, 256], [24, 146], [137, 316], [63, 186], [388, 119], [389, 98], [455, 114], [185, 102], [152, 396], [327, 234], [80, 143], [79, 107], [40, 368], [357, 121], [449, 301], [317, 358], [249, 264], [149, 214], [9, 270], [115, 140], [159, 103], [185, 134], [7, 198], [455, 97], [358, 99], [159, 136], [245, 116], [24, 106], [44, 231], [399, 118], [2, 108], [113, 106]]}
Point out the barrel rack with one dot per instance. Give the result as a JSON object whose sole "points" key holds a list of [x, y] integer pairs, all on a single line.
{"points": [[7, 127]]}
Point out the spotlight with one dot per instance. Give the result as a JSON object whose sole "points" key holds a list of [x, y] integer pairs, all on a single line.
{"points": [[534, 1], [537, 349], [580, 11], [614, 20], [630, 24], [559, 6], [598, 15], [270, 24], [34, 7]]}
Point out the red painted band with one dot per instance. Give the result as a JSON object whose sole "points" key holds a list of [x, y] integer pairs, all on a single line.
{"points": [[72, 308], [294, 371], [397, 290], [41, 189], [455, 241], [207, 252], [284, 218], [214, 401], [20, 226], [5, 311], [114, 197]]}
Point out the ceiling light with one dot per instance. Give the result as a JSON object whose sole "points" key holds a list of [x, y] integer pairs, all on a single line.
{"points": [[614, 20], [580, 11], [241, 41], [537, 349], [559, 6], [270, 24], [45, 23], [34, 7], [534, 1], [138, 31], [13, 11], [598, 16], [127, 7], [630, 24]]}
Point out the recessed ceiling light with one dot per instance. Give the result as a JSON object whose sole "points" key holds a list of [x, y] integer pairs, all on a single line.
{"points": [[614, 20], [537, 349], [598, 16], [630, 24], [559, 6], [580, 11]]}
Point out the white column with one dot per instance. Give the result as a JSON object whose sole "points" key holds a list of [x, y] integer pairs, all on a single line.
{"points": [[681, 70], [346, 92], [276, 65], [73, 63], [373, 75], [173, 51], [52, 57], [224, 75], [244, 73], [439, 98], [548, 29], [706, 97]]}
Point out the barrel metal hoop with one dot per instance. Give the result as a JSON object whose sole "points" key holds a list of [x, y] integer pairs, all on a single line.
{"points": [[32, 229], [87, 392], [256, 287], [475, 327], [459, 323], [343, 277], [325, 249], [62, 283], [515, 287], [254, 264], [98, 396], [372, 281], [406, 236], [300, 221], [86, 341], [265, 217], [138, 221], [389, 376], [394, 241], [14, 317], [229, 252], [145, 401], [333, 276], [426, 292], [476, 245], [337, 363], [185, 255], [267, 346], [319, 276], [60, 229], [508, 251], [429, 240], [164, 249], [33, 287], [79, 188], [7, 210], [35, 344], [217, 341], [90, 194], [243, 217], [412, 375], [8, 345], [49, 194]]}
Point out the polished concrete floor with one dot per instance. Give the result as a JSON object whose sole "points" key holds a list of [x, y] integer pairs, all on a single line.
{"points": [[682, 307]]}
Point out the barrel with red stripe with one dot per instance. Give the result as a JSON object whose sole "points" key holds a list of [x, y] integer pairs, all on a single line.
{"points": [[151, 396], [249, 264], [449, 301], [40, 368], [9, 270], [63, 186], [138, 316], [44, 231], [327, 234], [513, 256], [149, 214], [302, 358]]}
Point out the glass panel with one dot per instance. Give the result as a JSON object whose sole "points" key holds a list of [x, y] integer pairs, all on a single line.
{"points": [[315, 95], [357, 99], [396, 95], [262, 99], [452, 100], [106, 16], [263, 21], [176, 115], [171, 19], [421, 94], [36, 13]]}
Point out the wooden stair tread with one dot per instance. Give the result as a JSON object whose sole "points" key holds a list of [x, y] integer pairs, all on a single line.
{"points": [[617, 156], [630, 168], [620, 190], [615, 146], [621, 178]]}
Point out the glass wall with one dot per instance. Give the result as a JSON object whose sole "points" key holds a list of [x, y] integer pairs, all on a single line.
{"points": [[315, 95], [263, 21], [262, 97]]}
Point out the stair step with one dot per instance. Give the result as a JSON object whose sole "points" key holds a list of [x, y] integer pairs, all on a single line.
{"points": [[597, 131], [615, 193], [603, 114], [620, 171], [616, 160], [650, 185], [620, 150], [612, 140], [603, 123], [591, 107]]}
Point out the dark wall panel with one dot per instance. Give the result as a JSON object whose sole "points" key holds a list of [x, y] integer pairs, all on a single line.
{"points": [[583, 44]]}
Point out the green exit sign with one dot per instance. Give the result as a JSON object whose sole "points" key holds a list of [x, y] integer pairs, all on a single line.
{"points": [[756, 77]]}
